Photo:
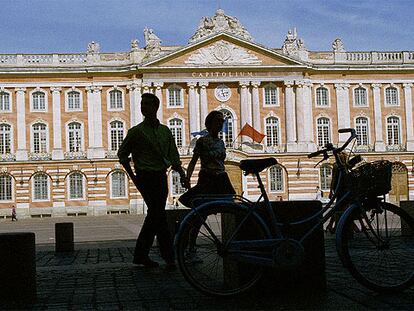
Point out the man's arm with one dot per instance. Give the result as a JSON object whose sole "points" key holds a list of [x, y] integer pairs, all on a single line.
{"points": [[124, 152]]}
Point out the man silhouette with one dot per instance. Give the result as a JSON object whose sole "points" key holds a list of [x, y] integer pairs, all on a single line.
{"points": [[153, 151]]}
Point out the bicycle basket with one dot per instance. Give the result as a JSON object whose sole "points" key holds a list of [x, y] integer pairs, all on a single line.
{"points": [[371, 179]]}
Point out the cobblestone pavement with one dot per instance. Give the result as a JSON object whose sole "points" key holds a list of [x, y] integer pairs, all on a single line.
{"points": [[100, 276]]}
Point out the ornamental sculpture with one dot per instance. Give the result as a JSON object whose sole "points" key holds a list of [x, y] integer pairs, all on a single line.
{"points": [[152, 43], [220, 23], [222, 53], [134, 45], [93, 48], [338, 46], [293, 44]]}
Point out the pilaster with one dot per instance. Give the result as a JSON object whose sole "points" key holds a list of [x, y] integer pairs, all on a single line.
{"points": [[192, 109], [257, 124], [135, 103], [21, 152], [343, 109], [244, 107], [57, 151], [203, 102], [379, 142], [158, 92], [290, 117], [409, 115]]}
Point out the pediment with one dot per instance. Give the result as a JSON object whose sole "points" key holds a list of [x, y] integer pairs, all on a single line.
{"points": [[223, 50]]}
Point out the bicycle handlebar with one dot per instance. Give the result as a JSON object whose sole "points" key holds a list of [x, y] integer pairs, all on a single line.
{"points": [[330, 147]]}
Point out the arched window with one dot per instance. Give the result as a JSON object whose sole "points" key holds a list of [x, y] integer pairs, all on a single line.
{"points": [[270, 95], [76, 186], [393, 131], [39, 138], [228, 128], [75, 137], [74, 102], [322, 96], [115, 99], [4, 101], [174, 96], [361, 127], [118, 185], [391, 96], [326, 177], [276, 178], [176, 187], [360, 96], [324, 131], [5, 138], [272, 131], [176, 128], [38, 101], [117, 134], [40, 187], [6, 188]]}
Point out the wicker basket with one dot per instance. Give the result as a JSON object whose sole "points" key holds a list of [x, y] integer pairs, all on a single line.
{"points": [[371, 179]]}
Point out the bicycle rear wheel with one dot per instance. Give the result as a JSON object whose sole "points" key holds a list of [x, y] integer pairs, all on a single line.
{"points": [[374, 248], [203, 257]]}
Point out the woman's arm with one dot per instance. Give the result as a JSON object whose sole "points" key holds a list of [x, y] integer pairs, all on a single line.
{"points": [[191, 166]]}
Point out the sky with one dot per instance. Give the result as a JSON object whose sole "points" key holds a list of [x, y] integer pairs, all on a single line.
{"points": [[67, 26]]}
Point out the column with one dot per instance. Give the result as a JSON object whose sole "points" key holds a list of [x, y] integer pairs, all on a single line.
{"points": [[304, 117], [257, 124], [135, 103], [244, 107], [343, 110], [290, 121], [192, 109], [409, 115], [21, 152], [57, 151], [379, 142], [146, 86], [90, 104], [203, 102], [158, 93]]}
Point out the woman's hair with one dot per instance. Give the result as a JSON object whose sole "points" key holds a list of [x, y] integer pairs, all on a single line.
{"points": [[210, 117]]}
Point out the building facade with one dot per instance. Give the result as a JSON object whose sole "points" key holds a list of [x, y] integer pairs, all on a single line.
{"points": [[63, 116]]}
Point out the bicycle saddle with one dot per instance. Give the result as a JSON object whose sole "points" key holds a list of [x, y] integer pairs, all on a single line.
{"points": [[256, 165]]}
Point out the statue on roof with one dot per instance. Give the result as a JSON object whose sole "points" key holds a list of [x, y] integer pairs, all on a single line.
{"points": [[220, 22], [93, 48], [134, 45], [152, 43], [338, 46], [292, 44]]}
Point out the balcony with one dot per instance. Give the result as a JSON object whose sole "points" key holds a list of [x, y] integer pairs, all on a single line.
{"points": [[111, 154], [395, 148], [364, 148]]}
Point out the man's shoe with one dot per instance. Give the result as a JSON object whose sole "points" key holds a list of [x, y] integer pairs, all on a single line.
{"points": [[146, 262]]}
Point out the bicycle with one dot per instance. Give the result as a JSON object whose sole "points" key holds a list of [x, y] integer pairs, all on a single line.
{"points": [[235, 238]]}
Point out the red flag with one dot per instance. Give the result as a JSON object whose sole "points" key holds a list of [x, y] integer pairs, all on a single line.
{"points": [[248, 130]]}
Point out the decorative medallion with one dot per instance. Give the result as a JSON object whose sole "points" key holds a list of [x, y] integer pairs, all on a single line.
{"points": [[222, 93]]}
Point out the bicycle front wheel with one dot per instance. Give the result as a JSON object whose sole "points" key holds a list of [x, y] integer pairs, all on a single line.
{"points": [[375, 248], [204, 255]]}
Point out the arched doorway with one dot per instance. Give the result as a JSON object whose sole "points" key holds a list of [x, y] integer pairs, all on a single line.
{"points": [[399, 183]]}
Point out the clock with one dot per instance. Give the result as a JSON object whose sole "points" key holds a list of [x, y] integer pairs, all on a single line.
{"points": [[222, 93]]}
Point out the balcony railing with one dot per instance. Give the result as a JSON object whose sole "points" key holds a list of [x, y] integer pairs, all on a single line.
{"points": [[364, 148], [111, 154], [399, 147], [7, 157], [40, 156], [75, 155]]}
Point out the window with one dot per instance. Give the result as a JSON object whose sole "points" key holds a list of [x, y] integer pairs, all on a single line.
{"points": [[5, 188], [76, 186], [74, 100], [118, 185], [228, 128], [391, 96], [174, 96], [5, 138], [272, 131], [40, 187], [326, 177], [176, 187], [4, 101], [176, 128], [75, 137], [361, 126], [270, 95], [115, 99], [117, 134], [38, 101], [322, 96], [360, 97], [393, 131], [324, 135], [39, 138], [276, 178]]}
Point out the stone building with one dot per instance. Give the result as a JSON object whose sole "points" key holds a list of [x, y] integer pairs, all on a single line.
{"points": [[63, 116]]}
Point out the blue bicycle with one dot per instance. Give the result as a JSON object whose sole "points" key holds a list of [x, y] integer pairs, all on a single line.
{"points": [[224, 244]]}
